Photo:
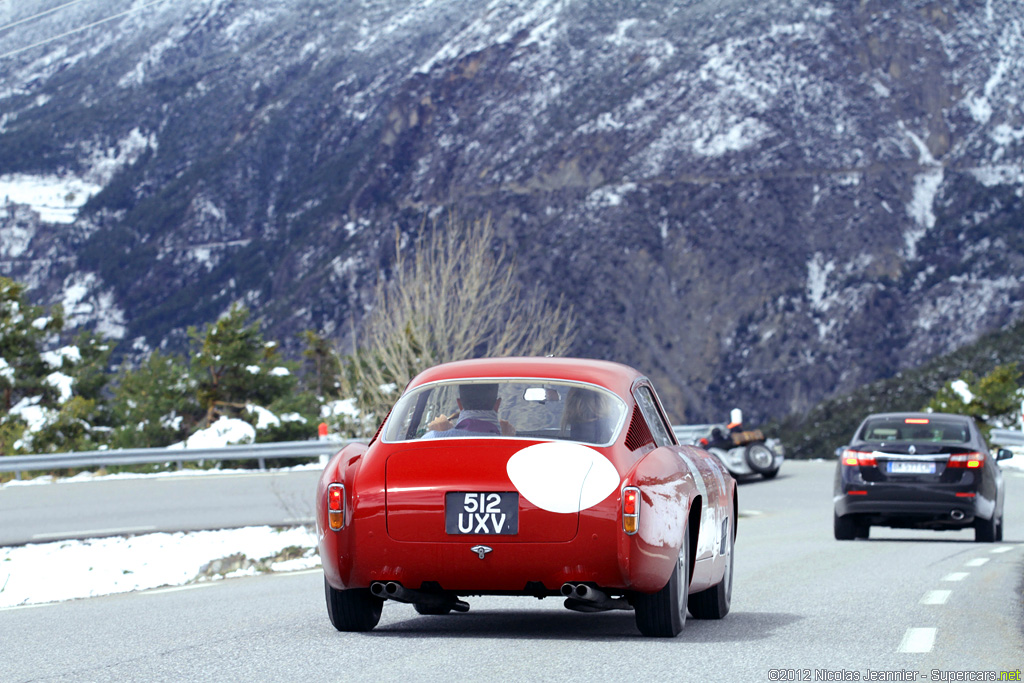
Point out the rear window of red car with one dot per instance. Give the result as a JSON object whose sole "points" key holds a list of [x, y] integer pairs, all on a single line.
{"points": [[507, 408]]}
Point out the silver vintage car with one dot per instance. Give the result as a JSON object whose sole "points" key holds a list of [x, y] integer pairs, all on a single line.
{"points": [[743, 452]]}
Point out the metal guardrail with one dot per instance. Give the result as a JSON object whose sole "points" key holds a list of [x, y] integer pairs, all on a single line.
{"points": [[1007, 437], [146, 456]]}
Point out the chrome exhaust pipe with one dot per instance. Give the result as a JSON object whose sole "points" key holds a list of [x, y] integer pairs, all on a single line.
{"points": [[392, 590], [956, 515], [585, 592]]}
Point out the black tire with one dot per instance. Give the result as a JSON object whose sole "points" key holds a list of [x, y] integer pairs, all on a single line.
{"points": [[714, 602], [999, 529], [355, 609], [663, 614], [847, 528], [760, 458], [770, 475], [986, 530]]}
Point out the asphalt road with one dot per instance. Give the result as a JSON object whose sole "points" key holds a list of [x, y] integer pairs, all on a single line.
{"points": [[36, 513], [911, 604]]}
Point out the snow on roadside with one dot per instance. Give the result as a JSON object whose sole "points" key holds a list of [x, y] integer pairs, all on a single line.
{"points": [[66, 570]]}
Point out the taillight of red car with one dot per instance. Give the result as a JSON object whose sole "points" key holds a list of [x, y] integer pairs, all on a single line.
{"points": [[630, 509], [969, 461], [853, 458], [336, 506]]}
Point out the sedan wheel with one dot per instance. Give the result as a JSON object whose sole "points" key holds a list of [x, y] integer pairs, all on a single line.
{"points": [[663, 614], [355, 609], [848, 527], [986, 530]]}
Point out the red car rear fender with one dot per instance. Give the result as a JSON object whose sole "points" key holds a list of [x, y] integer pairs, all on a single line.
{"points": [[667, 495], [335, 554]]}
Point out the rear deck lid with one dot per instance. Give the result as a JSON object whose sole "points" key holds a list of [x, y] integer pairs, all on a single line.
{"points": [[494, 490]]}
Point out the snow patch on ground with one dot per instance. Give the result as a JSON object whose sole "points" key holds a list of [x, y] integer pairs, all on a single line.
{"points": [[817, 280], [921, 208], [66, 570], [225, 431], [1000, 174], [965, 305], [83, 303], [56, 199]]}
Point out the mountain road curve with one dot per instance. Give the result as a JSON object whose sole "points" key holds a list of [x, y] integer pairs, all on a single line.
{"points": [[902, 605]]}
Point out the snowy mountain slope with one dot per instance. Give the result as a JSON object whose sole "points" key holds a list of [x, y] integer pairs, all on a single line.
{"points": [[758, 203]]}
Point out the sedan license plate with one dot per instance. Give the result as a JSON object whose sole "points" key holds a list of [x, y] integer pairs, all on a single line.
{"points": [[906, 467], [481, 513]]}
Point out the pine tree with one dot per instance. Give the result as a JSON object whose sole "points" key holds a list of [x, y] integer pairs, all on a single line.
{"points": [[323, 366], [992, 400], [82, 418], [24, 329], [235, 367], [155, 404]]}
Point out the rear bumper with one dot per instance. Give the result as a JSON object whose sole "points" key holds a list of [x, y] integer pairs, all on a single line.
{"points": [[913, 507], [600, 555]]}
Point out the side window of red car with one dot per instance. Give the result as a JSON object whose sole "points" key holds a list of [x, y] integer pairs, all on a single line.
{"points": [[649, 408]]}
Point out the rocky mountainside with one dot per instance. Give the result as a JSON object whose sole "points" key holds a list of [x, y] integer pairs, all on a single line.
{"points": [[759, 203]]}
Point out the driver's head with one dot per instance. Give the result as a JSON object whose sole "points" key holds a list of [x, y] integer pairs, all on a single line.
{"points": [[478, 396]]}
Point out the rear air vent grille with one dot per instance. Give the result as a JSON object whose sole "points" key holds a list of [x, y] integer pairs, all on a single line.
{"points": [[638, 435]]}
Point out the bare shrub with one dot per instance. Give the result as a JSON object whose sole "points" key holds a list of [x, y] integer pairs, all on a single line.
{"points": [[456, 297]]}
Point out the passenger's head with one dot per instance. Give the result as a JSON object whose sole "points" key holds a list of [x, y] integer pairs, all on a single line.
{"points": [[478, 396], [582, 405]]}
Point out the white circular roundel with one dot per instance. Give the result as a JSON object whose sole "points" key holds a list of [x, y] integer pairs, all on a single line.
{"points": [[562, 477]]}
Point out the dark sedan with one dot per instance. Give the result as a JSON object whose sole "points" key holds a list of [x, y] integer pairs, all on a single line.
{"points": [[918, 471]]}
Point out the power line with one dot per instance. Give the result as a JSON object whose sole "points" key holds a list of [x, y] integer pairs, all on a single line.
{"points": [[37, 16], [80, 29]]}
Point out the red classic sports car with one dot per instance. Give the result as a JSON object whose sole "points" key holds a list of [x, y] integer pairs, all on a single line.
{"points": [[527, 476]]}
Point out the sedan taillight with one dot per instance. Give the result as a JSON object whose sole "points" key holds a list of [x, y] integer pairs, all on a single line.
{"points": [[630, 509], [970, 461], [336, 506], [854, 458]]}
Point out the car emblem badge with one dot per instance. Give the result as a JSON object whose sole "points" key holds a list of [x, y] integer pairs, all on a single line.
{"points": [[911, 450], [481, 550]]}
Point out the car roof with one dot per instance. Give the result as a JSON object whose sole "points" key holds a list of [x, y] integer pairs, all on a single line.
{"points": [[614, 376]]}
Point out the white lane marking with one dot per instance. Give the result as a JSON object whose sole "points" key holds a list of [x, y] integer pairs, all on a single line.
{"points": [[935, 597], [956, 576], [93, 532], [1002, 549], [918, 640], [977, 562]]}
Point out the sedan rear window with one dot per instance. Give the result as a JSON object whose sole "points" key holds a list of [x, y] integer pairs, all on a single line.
{"points": [[507, 408], [933, 430]]}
